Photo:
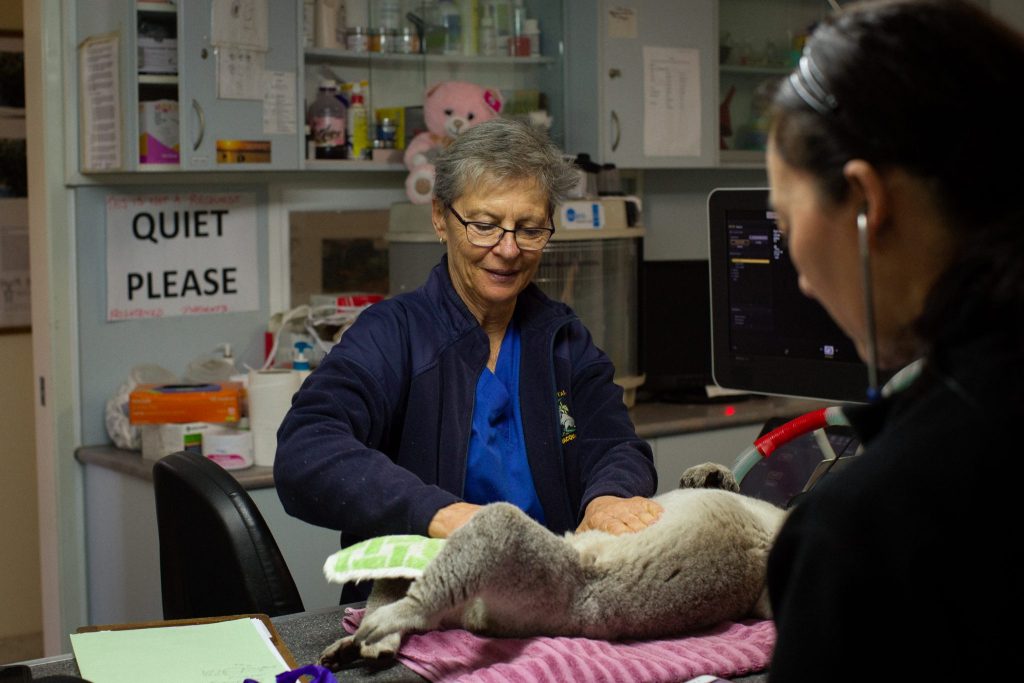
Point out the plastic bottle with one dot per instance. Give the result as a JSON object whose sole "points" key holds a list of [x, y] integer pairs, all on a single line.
{"points": [[470, 27], [359, 132], [308, 22], [501, 11], [326, 16], [451, 22], [488, 33], [387, 14], [518, 41], [300, 363], [531, 29], [327, 122]]}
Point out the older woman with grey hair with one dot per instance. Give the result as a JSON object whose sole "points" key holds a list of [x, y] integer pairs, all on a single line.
{"points": [[475, 387]]}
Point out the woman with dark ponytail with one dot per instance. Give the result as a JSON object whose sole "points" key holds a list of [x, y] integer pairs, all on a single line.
{"points": [[894, 163]]}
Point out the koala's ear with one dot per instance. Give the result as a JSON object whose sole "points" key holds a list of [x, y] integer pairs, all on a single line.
{"points": [[493, 100]]}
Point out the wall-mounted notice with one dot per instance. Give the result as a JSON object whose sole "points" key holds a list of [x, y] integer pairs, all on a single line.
{"points": [[99, 90], [621, 22], [15, 297], [240, 23], [181, 254], [671, 101]]}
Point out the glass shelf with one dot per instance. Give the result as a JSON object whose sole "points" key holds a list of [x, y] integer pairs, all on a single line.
{"points": [[754, 70], [333, 56]]}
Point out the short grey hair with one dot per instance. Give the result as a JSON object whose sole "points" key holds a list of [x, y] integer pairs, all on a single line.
{"points": [[502, 150]]}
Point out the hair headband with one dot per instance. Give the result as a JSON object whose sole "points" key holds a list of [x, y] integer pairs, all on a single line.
{"points": [[808, 82]]}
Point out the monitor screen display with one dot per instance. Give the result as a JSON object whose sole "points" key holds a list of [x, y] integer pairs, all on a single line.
{"points": [[767, 337]]}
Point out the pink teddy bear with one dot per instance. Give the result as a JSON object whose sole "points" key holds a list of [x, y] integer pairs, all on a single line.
{"points": [[449, 108]]}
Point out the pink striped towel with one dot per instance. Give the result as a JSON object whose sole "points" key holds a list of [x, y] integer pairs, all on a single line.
{"points": [[727, 650]]}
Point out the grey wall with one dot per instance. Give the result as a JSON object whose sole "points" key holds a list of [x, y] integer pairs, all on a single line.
{"points": [[676, 209], [109, 350]]}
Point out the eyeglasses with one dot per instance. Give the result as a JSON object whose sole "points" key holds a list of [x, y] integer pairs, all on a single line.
{"points": [[489, 234]]}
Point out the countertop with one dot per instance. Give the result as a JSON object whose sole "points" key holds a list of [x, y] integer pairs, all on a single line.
{"points": [[652, 420]]}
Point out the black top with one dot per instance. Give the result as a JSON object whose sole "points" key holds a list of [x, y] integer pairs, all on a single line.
{"points": [[901, 567]]}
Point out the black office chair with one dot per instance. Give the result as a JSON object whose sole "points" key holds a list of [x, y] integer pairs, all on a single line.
{"points": [[217, 555]]}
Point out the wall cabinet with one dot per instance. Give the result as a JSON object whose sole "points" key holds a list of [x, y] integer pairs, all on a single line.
{"points": [[169, 67], [757, 47], [262, 131], [641, 79], [636, 83], [246, 110]]}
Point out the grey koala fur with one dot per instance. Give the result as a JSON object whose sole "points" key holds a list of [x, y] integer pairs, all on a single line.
{"points": [[504, 574]]}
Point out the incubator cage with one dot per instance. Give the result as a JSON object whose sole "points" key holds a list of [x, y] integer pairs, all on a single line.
{"points": [[599, 279]]}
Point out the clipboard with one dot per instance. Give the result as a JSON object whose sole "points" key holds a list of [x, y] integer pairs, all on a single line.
{"points": [[275, 637]]}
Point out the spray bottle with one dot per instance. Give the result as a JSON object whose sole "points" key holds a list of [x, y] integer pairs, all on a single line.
{"points": [[300, 363]]}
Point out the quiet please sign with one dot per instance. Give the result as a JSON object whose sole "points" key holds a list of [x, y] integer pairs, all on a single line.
{"points": [[181, 254]]}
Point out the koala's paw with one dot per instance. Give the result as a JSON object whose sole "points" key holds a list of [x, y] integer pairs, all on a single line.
{"points": [[339, 653], [380, 633], [709, 475]]}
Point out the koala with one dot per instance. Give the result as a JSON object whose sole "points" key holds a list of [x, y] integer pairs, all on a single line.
{"points": [[503, 574]]}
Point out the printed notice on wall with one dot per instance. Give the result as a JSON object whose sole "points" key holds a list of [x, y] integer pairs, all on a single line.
{"points": [[621, 22], [15, 294], [671, 101], [279, 115], [100, 102], [239, 23], [181, 254], [240, 74]]}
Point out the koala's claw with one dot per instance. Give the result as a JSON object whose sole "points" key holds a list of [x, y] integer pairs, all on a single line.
{"points": [[339, 653]]}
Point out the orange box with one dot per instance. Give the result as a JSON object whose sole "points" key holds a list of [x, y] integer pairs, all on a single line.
{"points": [[163, 403]]}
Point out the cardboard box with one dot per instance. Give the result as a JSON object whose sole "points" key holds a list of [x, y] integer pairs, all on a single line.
{"points": [[159, 440], [591, 214], [181, 403], [158, 56], [158, 132]]}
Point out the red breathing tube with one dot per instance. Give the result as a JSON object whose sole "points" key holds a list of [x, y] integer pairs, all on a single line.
{"points": [[766, 445], [796, 427]]}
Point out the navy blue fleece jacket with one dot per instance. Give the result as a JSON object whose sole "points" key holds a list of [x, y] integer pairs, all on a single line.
{"points": [[376, 440]]}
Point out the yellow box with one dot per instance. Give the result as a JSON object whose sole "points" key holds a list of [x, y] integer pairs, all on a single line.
{"points": [[164, 403]]}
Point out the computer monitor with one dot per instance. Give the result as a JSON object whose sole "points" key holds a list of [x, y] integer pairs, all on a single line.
{"points": [[766, 335]]}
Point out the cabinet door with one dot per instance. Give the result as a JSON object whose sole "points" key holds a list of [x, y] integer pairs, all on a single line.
{"points": [[651, 100], [219, 133]]}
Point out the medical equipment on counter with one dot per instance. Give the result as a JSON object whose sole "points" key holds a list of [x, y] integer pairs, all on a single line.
{"points": [[320, 327], [217, 367], [815, 422]]}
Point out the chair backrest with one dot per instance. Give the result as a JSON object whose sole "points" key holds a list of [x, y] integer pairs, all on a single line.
{"points": [[217, 555]]}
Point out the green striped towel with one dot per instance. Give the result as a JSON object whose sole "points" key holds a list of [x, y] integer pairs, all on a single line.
{"points": [[384, 557]]}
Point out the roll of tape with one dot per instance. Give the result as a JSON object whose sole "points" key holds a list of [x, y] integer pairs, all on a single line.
{"points": [[232, 450], [270, 397]]}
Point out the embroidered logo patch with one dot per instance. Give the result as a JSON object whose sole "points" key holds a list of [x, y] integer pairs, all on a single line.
{"points": [[565, 419]]}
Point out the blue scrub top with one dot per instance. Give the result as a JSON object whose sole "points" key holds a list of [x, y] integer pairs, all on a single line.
{"points": [[497, 468]]}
